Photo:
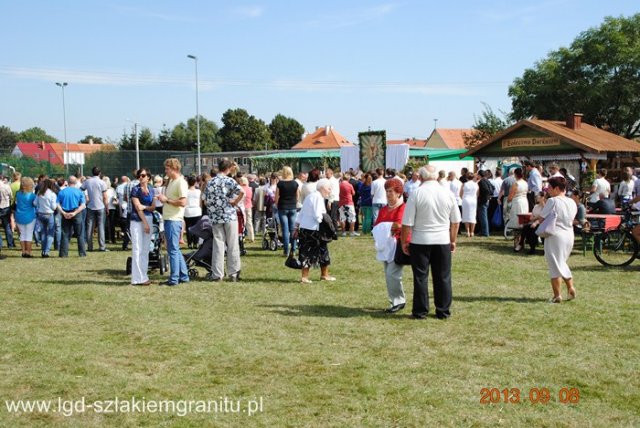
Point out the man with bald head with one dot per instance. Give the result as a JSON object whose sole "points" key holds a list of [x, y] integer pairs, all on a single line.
{"points": [[71, 203], [431, 219]]}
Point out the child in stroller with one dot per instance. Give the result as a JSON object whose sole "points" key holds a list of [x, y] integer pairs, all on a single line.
{"points": [[157, 260], [202, 256]]}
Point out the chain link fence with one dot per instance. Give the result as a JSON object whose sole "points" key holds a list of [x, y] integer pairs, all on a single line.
{"points": [[123, 162]]}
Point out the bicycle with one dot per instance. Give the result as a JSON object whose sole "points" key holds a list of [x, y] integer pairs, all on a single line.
{"points": [[617, 247]]}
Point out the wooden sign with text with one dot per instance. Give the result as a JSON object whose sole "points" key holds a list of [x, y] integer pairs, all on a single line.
{"points": [[535, 142]]}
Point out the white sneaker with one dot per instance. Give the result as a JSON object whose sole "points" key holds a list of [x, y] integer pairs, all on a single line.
{"points": [[344, 233], [355, 234]]}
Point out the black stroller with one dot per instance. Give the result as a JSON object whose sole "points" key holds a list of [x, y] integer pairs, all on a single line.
{"points": [[270, 239], [202, 256], [157, 260]]}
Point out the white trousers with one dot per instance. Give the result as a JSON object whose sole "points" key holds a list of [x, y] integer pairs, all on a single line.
{"points": [[225, 234], [140, 244]]}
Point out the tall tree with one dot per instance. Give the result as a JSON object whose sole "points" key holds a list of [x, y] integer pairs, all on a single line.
{"points": [[90, 139], [286, 132], [146, 140], [185, 136], [598, 75], [8, 139], [240, 132], [485, 127], [164, 138], [36, 134]]}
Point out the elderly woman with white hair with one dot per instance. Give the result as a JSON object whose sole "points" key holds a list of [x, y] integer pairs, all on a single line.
{"points": [[313, 250]]}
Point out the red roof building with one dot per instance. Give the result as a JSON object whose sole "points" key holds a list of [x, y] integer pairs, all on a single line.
{"points": [[442, 138], [322, 138], [39, 151], [54, 152]]}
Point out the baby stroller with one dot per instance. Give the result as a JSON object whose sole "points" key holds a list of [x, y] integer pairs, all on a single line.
{"points": [[202, 256], [270, 235], [157, 260]]}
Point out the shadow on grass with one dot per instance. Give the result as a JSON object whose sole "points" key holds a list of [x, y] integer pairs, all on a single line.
{"points": [[600, 268], [327, 311], [115, 283], [114, 273], [502, 247], [498, 299], [262, 254]]}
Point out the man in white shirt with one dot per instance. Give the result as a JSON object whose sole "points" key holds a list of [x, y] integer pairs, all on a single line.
{"points": [[431, 217], [534, 182], [412, 184], [96, 208], [554, 170], [379, 195], [454, 186], [300, 179], [600, 186]]}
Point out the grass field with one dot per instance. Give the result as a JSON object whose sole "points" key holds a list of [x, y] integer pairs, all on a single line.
{"points": [[322, 354]]}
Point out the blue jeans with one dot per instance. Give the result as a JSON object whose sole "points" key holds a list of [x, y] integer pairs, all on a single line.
{"points": [[5, 218], [58, 230], [47, 231], [483, 218], [177, 265], [375, 209], [287, 222], [95, 217], [76, 225]]}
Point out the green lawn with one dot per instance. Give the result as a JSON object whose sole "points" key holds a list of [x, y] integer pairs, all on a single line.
{"points": [[322, 354]]}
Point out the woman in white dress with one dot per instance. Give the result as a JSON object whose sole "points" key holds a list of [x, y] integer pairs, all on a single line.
{"points": [[558, 246], [469, 194], [518, 199]]}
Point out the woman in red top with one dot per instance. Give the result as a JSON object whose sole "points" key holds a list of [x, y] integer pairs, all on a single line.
{"points": [[393, 212]]}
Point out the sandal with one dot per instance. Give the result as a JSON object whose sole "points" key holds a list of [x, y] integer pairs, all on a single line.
{"points": [[572, 294], [305, 281], [556, 299], [327, 278]]}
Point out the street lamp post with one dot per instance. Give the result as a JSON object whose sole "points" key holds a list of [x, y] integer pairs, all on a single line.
{"points": [[195, 59], [135, 130], [64, 118]]}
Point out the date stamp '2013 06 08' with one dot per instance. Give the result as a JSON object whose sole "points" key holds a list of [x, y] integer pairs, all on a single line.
{"points": [[566, 395]]}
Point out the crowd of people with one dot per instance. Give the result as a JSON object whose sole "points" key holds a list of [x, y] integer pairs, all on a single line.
{"points": [[414, 219]]}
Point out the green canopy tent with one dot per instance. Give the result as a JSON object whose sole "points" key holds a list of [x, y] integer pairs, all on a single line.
{"points": [[439, 154]]}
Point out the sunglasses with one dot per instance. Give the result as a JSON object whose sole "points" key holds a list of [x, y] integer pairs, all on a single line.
{"points": [[142, 176]]}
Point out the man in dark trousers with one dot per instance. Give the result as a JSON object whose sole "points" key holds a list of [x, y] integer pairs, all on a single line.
{"points": [[431, 218], [485, 191]]}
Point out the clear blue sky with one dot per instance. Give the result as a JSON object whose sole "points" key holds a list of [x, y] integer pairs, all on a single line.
{"points": [[393, 65]]}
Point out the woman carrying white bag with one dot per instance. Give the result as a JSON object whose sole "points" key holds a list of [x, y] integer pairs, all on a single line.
{"points": [[558, 236]]}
